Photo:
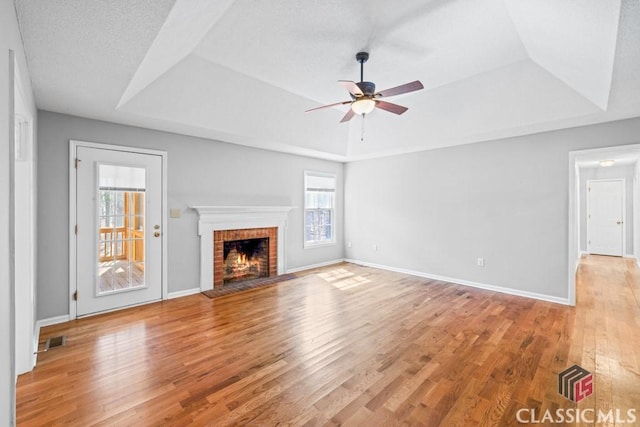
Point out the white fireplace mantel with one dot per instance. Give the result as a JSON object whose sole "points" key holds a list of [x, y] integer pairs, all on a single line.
{"points": [[214, 218]]}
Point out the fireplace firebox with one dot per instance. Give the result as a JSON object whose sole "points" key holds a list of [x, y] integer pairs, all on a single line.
{"points": [[244, 254], [246, 259]]}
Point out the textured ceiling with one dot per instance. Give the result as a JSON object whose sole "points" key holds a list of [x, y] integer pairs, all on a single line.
{"points": [[245, 71], [622, 156]]}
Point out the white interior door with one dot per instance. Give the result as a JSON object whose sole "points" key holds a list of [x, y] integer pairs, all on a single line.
{"points": [[119, 218], [605, 217]]}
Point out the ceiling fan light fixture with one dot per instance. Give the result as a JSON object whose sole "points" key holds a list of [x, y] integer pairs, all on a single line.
{"points": [[363, 106], [364, 98], [606, 163]]}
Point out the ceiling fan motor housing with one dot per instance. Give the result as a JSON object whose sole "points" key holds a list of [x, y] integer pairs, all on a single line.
{"points": [[362, 57], [368, 88]]}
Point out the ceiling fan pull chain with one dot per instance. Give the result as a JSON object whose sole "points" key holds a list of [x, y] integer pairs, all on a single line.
{"points": [[362, 129]]}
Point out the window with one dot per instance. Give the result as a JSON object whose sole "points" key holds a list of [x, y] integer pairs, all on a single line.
{"points": [[319, 208]]}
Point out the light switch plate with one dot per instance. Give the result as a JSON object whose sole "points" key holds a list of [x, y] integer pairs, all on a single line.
{"points": [[175, 213]]}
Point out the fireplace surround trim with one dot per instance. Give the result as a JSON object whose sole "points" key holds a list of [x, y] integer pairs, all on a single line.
{"points": [[216, 218]]}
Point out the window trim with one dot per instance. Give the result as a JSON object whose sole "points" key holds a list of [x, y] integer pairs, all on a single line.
{"points": [[314, 243]]}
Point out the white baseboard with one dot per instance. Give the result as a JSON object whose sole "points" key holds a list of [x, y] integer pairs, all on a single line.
{"points": [[51, 321], [41, 324], [509, 291], [309, 267], [184, 293]]}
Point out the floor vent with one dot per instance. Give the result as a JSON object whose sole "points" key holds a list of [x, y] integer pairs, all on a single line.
{"points": [[54, 342]]}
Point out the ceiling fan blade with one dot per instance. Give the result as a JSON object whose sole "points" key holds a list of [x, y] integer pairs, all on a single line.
{"points": [[392, 108], [330, 105], [407, 87], [348, 116], [352, 87]]}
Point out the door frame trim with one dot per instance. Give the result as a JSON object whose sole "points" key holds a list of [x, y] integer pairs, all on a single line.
{"points": [[573, 219], [73, 145], [623, 249]]}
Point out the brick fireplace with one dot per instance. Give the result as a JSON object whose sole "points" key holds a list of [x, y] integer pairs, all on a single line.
{"points": [[240, 224], [244, 254]]}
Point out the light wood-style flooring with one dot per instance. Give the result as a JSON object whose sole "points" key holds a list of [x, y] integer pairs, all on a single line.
{"points": [[343, 345]]}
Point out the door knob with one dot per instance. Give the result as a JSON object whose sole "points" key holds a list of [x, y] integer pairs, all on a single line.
{"points": [[156, 234], [618, 222]]}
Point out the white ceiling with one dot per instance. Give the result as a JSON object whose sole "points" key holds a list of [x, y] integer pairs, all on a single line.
{"points": [[244, 71], [622, 156]]}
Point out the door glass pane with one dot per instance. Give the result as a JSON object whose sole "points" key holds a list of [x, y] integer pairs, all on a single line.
{"points": [[121, 214]]}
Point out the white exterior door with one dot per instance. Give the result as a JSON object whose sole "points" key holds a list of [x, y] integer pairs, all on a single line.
{"points": [[605, 217], [118, 234]]}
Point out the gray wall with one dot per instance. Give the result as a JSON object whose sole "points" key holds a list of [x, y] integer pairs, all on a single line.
{"points": [[437, 211], [200, 172], [614, 172]]}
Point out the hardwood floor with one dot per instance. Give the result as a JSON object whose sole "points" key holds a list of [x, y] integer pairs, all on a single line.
{"points": [[344, 345]]}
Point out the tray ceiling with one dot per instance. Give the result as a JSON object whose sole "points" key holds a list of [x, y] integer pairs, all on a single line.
{"points": [[244, 71]]}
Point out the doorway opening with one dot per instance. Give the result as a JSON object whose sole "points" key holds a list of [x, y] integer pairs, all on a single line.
{"points": [[602, 164]]}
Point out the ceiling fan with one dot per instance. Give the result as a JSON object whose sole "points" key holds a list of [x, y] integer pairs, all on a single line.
{"points": [[364, 97]]}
